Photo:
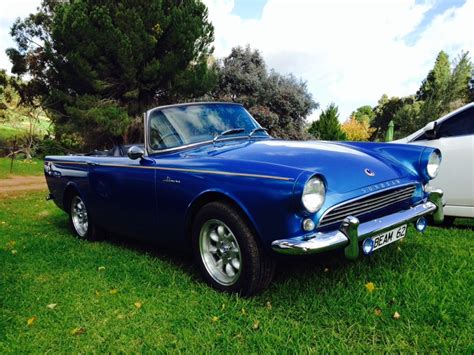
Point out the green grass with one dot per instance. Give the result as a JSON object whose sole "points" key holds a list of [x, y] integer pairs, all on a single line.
{"points": [[318, 304], [23, 167], [7, 132]]}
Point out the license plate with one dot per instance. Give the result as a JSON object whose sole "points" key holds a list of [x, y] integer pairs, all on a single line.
{"points": [[386, 238]]}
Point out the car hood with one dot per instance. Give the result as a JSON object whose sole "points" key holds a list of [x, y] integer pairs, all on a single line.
{"points": [[342, 165]]}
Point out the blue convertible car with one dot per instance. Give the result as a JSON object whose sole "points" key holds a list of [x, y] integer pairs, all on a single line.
{"points": [[210, 178]]}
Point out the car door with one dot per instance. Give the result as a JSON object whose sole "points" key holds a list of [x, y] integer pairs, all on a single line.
{"points": [[123, 195], [455, 139]]}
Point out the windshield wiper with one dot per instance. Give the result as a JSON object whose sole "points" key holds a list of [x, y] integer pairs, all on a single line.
{"points": [[229, 131], [255, 130]]}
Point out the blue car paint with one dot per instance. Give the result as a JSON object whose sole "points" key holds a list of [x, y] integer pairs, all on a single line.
{"points": [[152, 198]]}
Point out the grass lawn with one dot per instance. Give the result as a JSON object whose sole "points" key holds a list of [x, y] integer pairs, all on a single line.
{"points": [[21, 167], [7, 132], [114, 296]]}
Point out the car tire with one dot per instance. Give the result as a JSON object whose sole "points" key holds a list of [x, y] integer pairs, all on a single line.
{"points": [[228, 252], [448, 221], [80, 220]]}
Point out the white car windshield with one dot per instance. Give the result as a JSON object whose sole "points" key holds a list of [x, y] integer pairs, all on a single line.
{"points": [[175, 126]]}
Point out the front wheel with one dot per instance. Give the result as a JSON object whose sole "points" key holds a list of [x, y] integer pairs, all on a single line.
{"points": [[228, 253]]}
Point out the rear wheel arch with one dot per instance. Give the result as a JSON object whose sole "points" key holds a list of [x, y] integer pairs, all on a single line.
{"points": [[69, 192]]}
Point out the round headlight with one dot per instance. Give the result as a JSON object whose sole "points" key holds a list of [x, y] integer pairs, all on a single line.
{"points": [[313, 194], [434, 162]]}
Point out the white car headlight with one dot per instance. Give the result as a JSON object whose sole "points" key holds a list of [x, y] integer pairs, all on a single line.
{"points": [[313, 194], [434, 161]]}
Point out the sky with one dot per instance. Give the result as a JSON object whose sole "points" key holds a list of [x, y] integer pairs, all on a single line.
{"points": [[348, 52]]}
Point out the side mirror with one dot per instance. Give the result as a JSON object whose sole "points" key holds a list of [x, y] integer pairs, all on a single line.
{"points": [[135, 152], [430, 130]]}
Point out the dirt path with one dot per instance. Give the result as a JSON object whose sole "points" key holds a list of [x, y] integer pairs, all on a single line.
{"points": [[22, 183]]}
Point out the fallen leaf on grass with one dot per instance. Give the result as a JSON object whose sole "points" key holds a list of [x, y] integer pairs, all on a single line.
{"points": [[370, 286], [138, 305], [244, 312], [223, 306], [269, 305], [43, 214], [326, 269], [113, 291], [30, 321], [378, 311], [101, 268], [78, 331], [396, 315], [214, 319], [14, 252], [52, 305], [256, 325], [97, 293]]}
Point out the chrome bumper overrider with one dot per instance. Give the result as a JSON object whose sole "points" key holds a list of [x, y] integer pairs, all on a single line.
{"points": [[351, 232]]}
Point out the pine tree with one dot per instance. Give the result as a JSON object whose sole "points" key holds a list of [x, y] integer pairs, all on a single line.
{"points": [[328, 126], [96, 65]]}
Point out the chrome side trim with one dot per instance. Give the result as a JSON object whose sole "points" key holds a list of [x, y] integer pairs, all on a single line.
{"points": [[227, 173], [350, 227]]}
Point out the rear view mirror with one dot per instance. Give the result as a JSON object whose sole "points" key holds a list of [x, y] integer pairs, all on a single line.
{"points": [[430, 130], [135, 152]]}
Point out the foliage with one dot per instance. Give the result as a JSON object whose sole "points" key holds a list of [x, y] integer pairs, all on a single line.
{"points": [[279, 103], [96, 65], [445, 88], [357, 129], [327, 127], [364, 114], [123, 297], [23, 124]]}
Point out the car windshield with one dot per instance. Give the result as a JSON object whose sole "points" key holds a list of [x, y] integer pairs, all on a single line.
{"points": [[182, 125]]}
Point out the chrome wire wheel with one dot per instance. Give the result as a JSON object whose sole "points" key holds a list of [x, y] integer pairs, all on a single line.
{"points": [[79, 216], [220, 252]]}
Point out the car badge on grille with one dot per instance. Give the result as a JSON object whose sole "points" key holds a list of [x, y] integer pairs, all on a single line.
{"points": [[369, 172]]}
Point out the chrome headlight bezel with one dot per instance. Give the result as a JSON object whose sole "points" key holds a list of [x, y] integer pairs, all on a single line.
{"points": [[313, 195], [433, 163]]}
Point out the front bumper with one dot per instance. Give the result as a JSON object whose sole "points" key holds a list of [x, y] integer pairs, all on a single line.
{"points": [[351, 232]]}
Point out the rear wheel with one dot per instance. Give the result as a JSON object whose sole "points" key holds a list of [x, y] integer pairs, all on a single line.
{"points": [[228, 253], [80, 221]]}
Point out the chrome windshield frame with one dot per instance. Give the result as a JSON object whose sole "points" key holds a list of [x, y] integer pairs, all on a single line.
{"points": [[149, 150]]}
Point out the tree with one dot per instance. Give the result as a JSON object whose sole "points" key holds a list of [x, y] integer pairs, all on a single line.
{"points": [[437, 81], [279, 103], [96, 65], [458, 86], [364, 114], [444, 89], [406, 119], [385, 112], [327, 127], [357, 129]]}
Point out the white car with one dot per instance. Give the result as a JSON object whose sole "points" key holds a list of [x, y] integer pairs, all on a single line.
{"points": [[453, 134]]}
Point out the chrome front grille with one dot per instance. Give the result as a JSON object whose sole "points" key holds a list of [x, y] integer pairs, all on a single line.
{"points": [[366, 205]]}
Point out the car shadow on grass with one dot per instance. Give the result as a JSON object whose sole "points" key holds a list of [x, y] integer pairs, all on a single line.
{"points": [[296, 271]]}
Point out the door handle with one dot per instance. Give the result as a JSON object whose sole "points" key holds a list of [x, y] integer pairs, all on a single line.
{"points": [[90, 163]]}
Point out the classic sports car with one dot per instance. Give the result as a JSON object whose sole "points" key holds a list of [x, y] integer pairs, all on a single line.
{"points": [[210, 178]]}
